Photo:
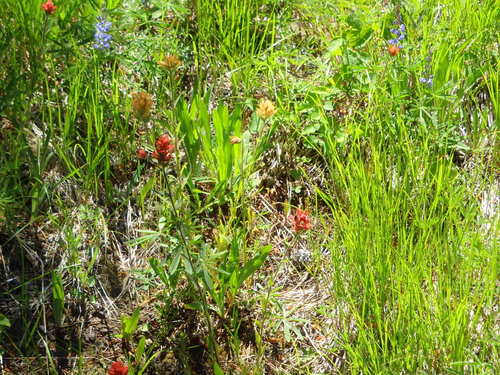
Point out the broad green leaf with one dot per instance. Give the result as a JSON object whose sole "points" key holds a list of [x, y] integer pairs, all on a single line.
{"points": [[335, 47], [139, 351], [129, 324]]}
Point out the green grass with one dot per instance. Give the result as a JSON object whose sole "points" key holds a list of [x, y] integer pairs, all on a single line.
{"points": [[192, 266]]}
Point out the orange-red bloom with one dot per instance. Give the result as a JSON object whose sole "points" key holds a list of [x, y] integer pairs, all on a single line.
{"points": [[141, 153], [301, 220], [49, 7], [118, 368], [393, 50], [164, 148]]}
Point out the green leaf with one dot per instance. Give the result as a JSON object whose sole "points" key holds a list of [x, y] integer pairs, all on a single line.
{"points": [[158, 270], [335, 47], [253, 265], [172, 270], [207, 279], [233, 281], [194, 306], [363, 37], [354, 21], [311, 129], [217, 369], [129, 324], [58, 297], [187, 267], [139, 351], [4, 322], [145, 191]]}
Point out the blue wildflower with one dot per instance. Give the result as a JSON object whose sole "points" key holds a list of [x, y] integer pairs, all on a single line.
{"points": [[101, 36], [400, 34], [426, 81]]}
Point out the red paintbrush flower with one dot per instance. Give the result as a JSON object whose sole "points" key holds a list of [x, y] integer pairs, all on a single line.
{"points": [[162, 142], [49, 7], [118, 368], [393, 50], [141, 153], [301, 220], [164, 148]]}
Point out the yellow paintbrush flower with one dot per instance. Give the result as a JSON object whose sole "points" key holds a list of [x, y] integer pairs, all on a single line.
{"points": [[266, 109]]}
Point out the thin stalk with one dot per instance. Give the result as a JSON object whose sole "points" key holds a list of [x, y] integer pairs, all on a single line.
{"points": [[189, 257]]}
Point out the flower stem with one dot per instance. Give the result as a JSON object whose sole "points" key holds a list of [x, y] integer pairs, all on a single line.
{"points": [[193, 280]]}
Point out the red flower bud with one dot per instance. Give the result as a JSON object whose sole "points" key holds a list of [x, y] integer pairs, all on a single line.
{"points": [[118, 368], [164, 149], [49, 7], [162, 142], [141, 153]]}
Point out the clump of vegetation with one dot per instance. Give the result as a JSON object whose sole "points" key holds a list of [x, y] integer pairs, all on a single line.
{"points": [[249, 187]]}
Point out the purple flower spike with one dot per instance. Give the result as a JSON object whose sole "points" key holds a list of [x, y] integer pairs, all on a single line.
{"points": [[399, 34], [101, 36], [426, 81]]}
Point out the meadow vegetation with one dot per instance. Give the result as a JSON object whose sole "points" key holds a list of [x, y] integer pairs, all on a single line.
{"points": [[249, 187]]}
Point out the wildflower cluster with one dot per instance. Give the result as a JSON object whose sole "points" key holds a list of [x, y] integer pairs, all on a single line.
{"points": [[118, 368], [101, 36], [300, 221], [400, 34], [265, 109], [169, 62], [141, 104], [395, 43], [427, 81], [49, 7], [164, 148]]}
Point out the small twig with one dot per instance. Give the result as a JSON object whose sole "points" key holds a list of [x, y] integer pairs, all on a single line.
{"points": [[318, 350]]}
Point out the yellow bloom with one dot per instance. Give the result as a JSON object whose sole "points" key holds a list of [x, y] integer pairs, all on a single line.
{"points": [[169, 62], [265, 109], [141, 104]]}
